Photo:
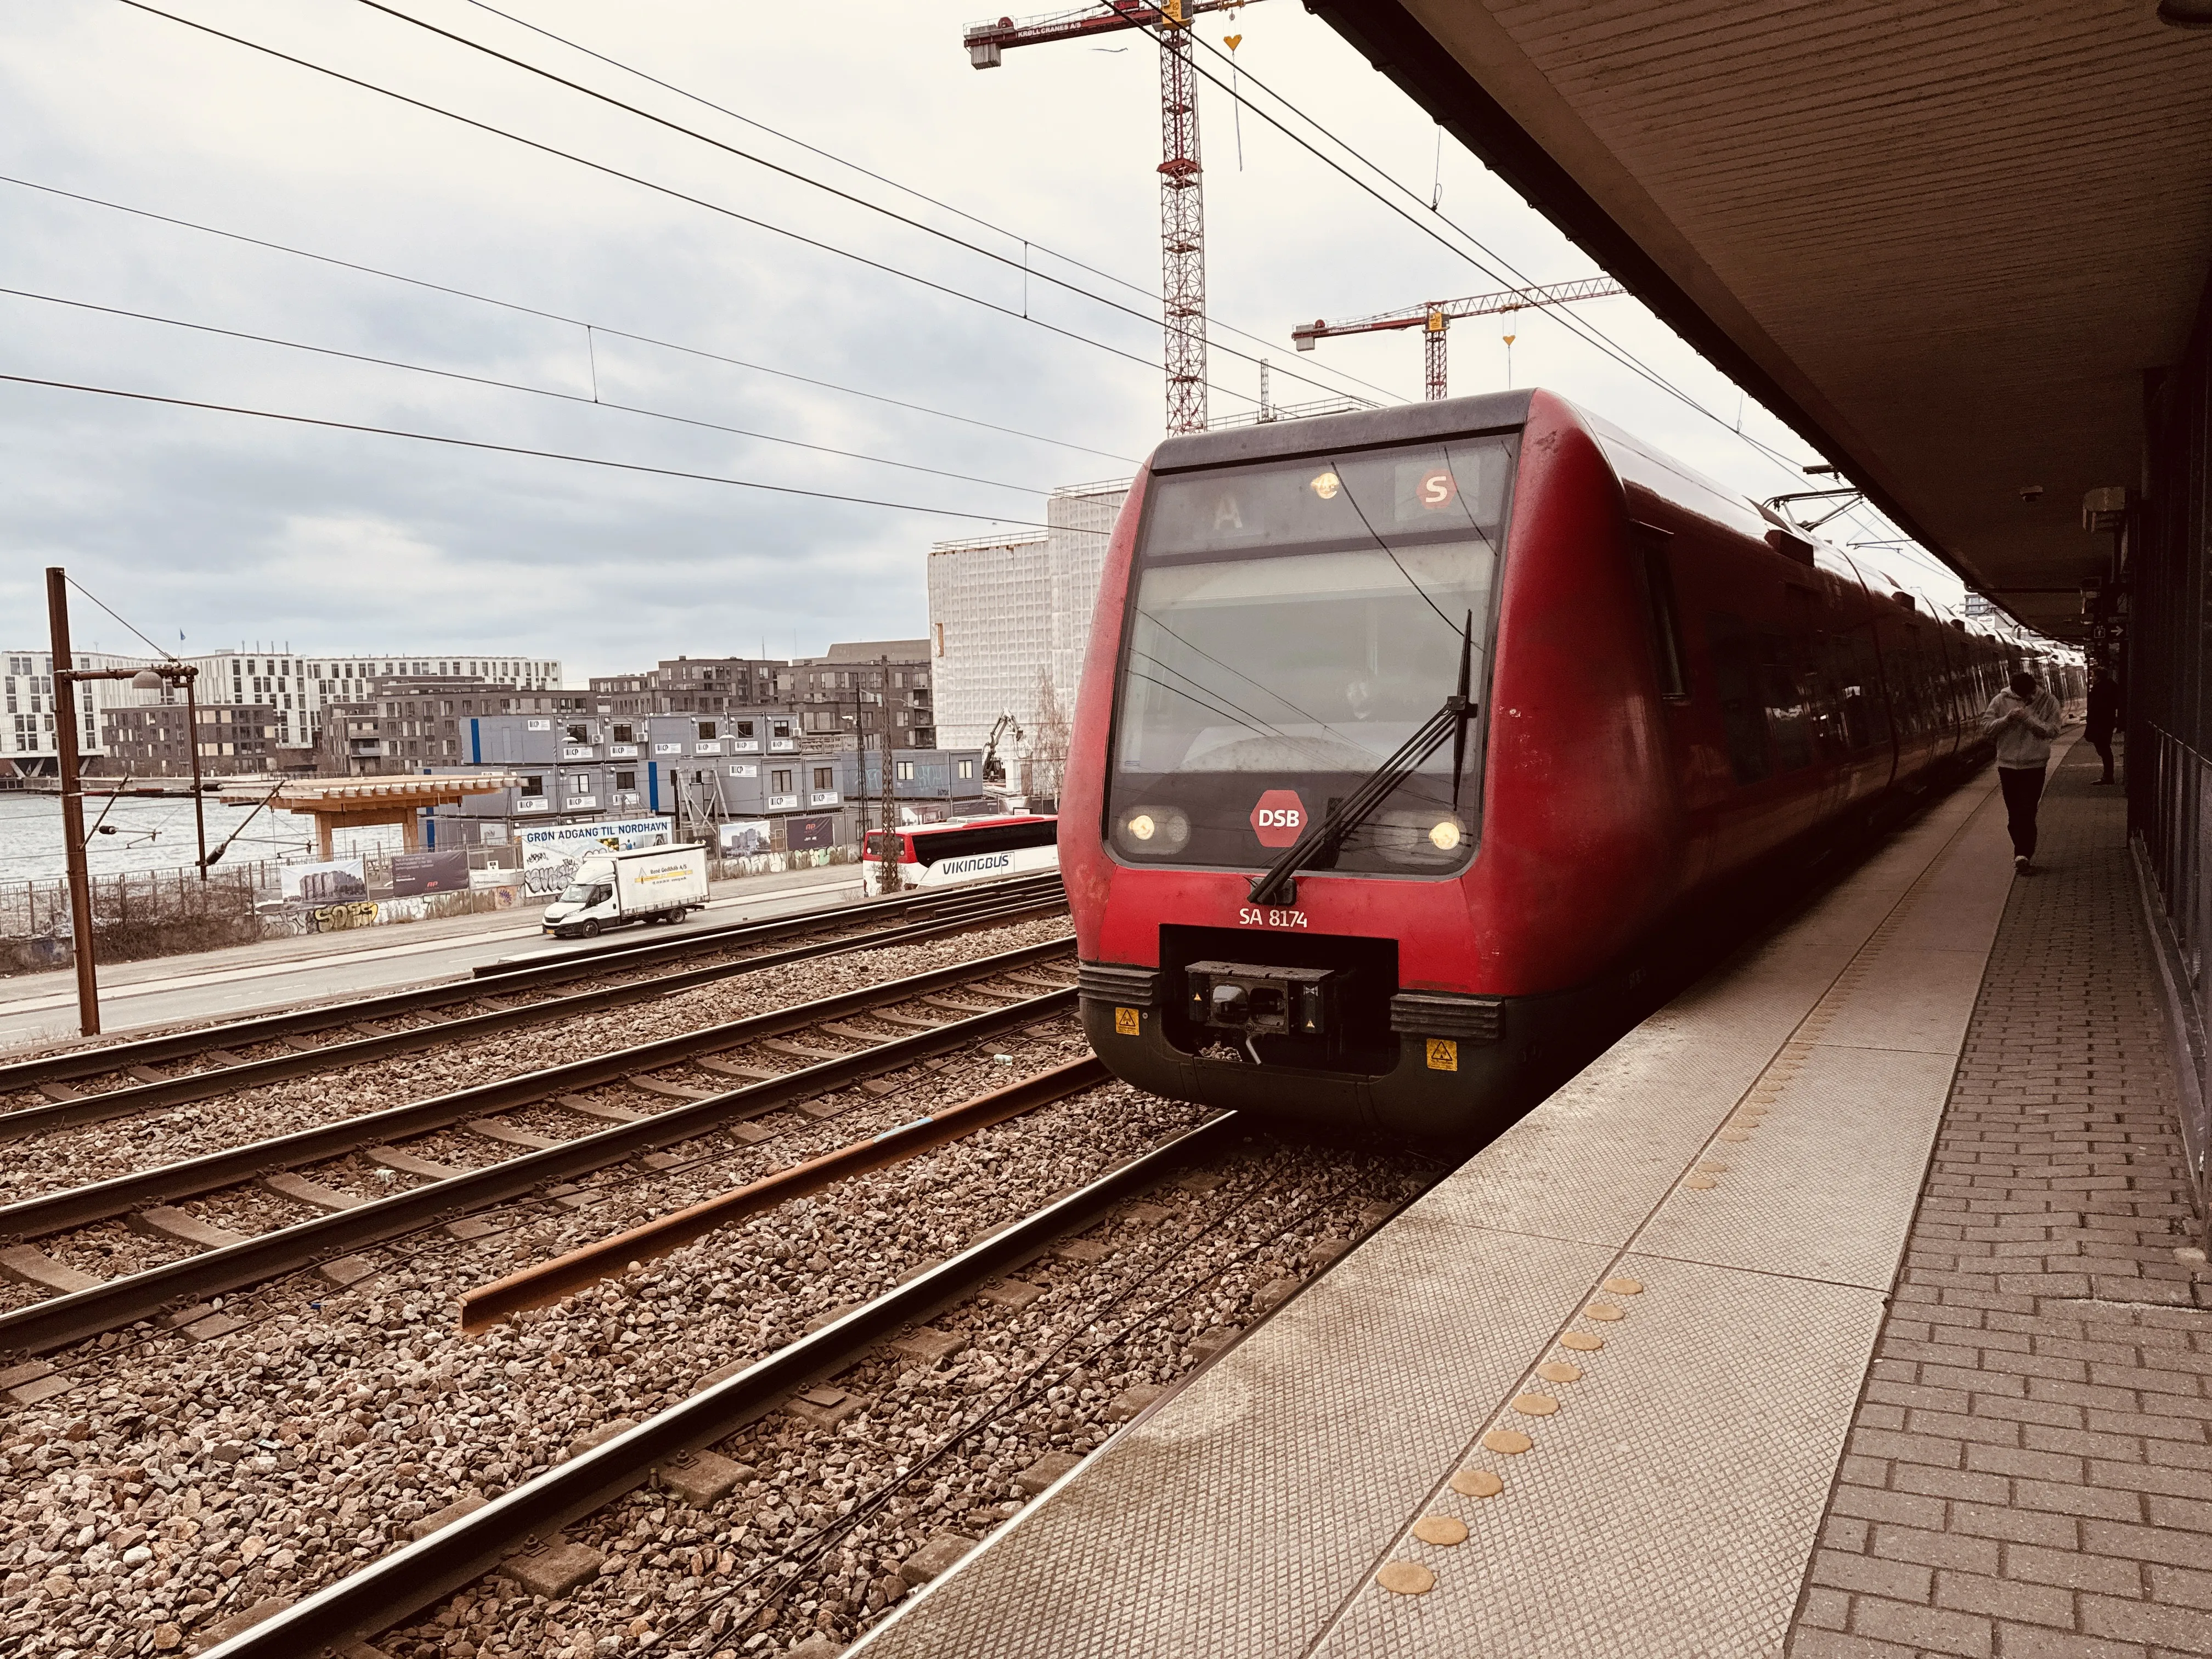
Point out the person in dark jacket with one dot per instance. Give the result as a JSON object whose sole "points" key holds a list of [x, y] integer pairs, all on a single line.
{"points": [[2104, 717]]}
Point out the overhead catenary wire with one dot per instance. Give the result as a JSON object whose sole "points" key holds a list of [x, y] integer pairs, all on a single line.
{"points": [[525, 450], [1491, 262], [673, 193], [521, 308], [595, 401], [1028, 243], [1009, 262]]}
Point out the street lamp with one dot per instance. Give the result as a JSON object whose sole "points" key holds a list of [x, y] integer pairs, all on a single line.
{"points": [[67, 678]]}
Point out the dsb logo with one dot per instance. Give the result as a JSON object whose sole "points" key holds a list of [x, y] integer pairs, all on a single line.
{"points": [[1278, 818]]}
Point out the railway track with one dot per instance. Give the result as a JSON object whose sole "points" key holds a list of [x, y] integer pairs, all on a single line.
{"points": [[648, 1096], [1130, 1282], [68, 1087]]}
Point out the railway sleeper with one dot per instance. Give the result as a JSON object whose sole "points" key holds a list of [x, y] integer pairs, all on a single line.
{"points": [[530, 1517], [43, 1327], [220, 1070], [35, 1217]]}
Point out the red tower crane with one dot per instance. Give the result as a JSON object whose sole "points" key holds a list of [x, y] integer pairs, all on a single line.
{"points": [[1182, 206], [1433, 319]]}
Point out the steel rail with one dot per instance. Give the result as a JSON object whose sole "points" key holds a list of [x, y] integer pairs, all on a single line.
{"points": [[545, 1282], [514, 974], [384, 1593], [222, 1079], [623, 952], [102, 1200], [43, 1327]]}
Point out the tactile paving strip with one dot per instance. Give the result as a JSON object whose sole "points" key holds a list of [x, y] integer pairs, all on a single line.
{"points": [[1253, 1513], [1674, 1484], [1846, 1141], [1206, 1531]]}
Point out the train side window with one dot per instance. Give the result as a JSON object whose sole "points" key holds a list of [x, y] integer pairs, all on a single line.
{"points": [[1866, 710], [1659, 604], [1787, 716], [1743, 712]]}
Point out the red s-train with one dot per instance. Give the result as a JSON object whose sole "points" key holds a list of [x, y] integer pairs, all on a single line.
{"points": [[1407, 736]]}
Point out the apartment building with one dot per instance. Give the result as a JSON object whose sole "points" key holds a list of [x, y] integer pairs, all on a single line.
{"points": [[294, 688], [234, 740], [409, 722], [845, 691], [690, 685]]}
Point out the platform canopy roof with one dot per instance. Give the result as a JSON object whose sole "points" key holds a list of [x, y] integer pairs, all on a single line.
{"points": [[1946, 241]]}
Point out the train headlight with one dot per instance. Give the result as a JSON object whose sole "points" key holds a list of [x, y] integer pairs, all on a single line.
{"points": [[1421, 839], [1155, 829]]}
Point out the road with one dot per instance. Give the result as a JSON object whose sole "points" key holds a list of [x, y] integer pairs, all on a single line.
{"points": [[40, 1009]]}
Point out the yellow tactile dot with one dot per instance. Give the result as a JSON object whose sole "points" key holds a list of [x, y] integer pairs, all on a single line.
{"points": [[1406, 1578], [1440, 1529], [1699, 1183], [1624, 1286], [1581, 1341], [1604, 1312], [1510, 1442], [1558, 1370], [1708, 1167], [1477, 1483], [1535, 1405]]}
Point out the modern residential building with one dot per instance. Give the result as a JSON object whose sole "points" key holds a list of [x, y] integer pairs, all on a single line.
{"points": [[27, 743], [1009, 622], [691, 685], [293, 686], [844, 691], [407, 722], [154, 742]]}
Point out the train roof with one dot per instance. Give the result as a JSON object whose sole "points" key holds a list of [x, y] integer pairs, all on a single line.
{"points": [[1634, 460], [1368, 429]]}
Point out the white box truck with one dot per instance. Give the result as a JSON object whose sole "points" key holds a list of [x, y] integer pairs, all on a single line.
{"points": [[613, 888]]}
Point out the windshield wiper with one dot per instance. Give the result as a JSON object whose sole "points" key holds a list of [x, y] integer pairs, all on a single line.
{"points": [[1277, 884]]}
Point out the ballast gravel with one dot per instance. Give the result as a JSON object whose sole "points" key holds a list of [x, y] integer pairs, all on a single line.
{"points": [[178, 1483], [69, 1157], [1038, 1387]]}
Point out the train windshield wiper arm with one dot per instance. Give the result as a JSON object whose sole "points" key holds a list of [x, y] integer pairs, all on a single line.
{"points": [[1277, 882]]}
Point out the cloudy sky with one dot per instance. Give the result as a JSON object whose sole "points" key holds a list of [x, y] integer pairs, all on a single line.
{"points": [[952, 381]]}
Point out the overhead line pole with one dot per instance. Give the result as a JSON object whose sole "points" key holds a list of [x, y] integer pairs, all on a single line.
{"points": [[67, 677], [80, 878]]}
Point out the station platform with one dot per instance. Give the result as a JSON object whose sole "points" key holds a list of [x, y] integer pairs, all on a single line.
{"points": [[1845, 1308]]}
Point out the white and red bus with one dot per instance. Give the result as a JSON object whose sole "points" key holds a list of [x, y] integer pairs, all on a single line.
{"points": [[943, 855]]}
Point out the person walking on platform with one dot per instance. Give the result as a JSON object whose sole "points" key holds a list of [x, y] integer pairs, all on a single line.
{"points": [[2104, 717], [2023, 719]]}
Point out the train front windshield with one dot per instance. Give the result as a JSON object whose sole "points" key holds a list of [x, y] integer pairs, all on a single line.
{"points": [[1291, 625]]}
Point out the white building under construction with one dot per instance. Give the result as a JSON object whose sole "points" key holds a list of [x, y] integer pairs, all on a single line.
{"points": [[1010, 620]]}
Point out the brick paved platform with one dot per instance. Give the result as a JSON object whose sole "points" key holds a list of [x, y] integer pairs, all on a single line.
{"points": [[2029, 1471]]}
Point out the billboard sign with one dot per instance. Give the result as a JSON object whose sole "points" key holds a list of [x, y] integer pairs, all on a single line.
{"points": [[339, 881], [807, 834], [743, 837], [550, 855], [444, 871]]}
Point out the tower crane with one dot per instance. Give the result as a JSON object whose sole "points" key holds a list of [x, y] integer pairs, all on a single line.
{"points": [[1182, 207], [1433, 319]]}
